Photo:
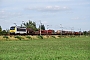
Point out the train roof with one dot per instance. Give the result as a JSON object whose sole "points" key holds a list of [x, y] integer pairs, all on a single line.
{"points": [[18, 26]]}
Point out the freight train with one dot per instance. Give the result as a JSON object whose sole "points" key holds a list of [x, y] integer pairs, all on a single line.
{"points": [[29, 31]]}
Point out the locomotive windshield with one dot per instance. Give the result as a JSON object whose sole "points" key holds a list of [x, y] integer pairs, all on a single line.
{"points": [[12, 28]]}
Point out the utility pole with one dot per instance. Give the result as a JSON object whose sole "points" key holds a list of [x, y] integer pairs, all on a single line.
{"points": [[80, 31], [22, 25], [40, 27], [61, 28], [47, 29]]}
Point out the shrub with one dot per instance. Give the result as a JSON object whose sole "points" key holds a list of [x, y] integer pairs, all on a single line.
{"points": [[29, 37], [54, 37], [59, 36], [40, 36], [6, 37], [19, 37]]}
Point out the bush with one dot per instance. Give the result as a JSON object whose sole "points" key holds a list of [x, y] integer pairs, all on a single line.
{"points": [[6, 37], [54, 37], [19, 37], [29, 37], [40, 36], [59, 36]]}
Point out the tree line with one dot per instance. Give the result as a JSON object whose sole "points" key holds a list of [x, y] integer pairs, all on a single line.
{"points": [[3, 32]]}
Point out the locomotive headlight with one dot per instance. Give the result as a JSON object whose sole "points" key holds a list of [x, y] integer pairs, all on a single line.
{"points": [[12, 31]]}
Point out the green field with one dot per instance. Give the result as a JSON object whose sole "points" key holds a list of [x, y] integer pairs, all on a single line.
{"points": [[76, 48]]}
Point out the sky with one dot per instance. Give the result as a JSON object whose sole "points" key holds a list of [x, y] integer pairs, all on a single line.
{"points": [[54, 14]]}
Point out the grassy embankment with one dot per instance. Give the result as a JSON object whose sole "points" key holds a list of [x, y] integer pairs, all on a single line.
{"points": [[76, 48]]}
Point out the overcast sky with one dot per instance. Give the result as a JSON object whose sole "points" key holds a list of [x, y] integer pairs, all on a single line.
{"points": [[71, 14]]}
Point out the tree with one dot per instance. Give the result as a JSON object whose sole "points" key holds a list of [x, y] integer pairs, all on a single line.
{"points": [[42, 27], [89, 32], [30, 24], [85, 33], [4, 32], [0, 28]]}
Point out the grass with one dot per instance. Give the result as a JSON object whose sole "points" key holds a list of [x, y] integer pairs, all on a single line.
{"points": [[77, 48]]}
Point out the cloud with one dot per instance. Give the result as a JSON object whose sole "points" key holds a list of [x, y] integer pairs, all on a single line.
{"points": [[2, 14], [50, 8], [30, 1], [7, 15], [78, 18], [42, 0]]}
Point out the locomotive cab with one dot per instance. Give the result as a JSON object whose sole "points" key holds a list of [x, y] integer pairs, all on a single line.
{"points": [[12, 30]]}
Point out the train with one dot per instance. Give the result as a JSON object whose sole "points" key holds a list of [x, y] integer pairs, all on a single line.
{"points": [[29, 31]]}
